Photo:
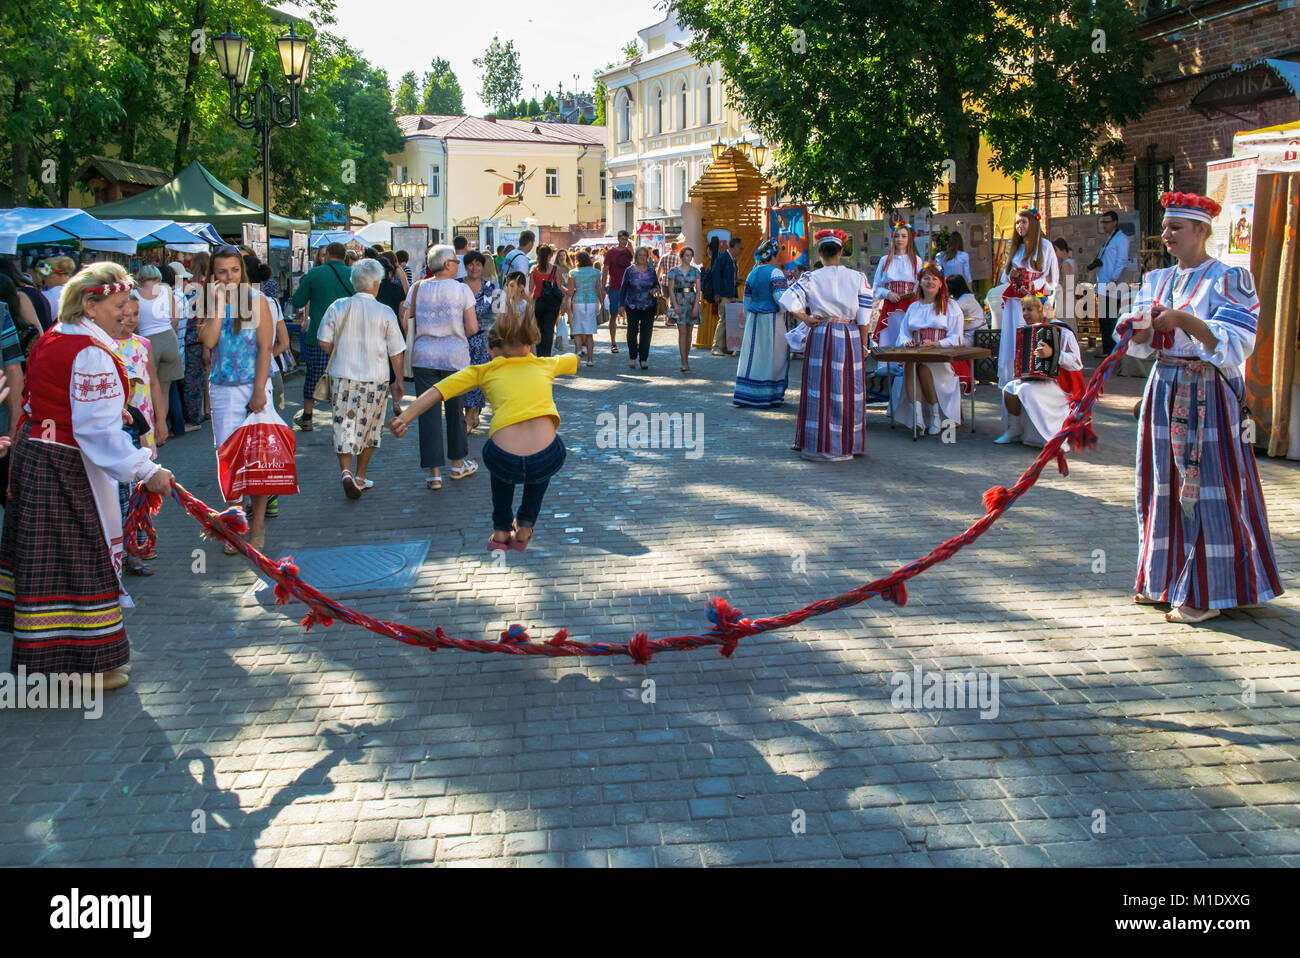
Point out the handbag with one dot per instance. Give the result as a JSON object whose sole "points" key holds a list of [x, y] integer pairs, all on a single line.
{"points": [[551, 294], [322, 391]]}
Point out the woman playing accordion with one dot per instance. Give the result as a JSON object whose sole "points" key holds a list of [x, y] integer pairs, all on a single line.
{"points": [[835, 302], [1037, 406], [1204, 539]]}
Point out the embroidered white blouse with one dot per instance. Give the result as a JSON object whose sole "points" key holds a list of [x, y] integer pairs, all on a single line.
{"points": [[899, 270], [922, 316], [830, 292], [1222, 296]]}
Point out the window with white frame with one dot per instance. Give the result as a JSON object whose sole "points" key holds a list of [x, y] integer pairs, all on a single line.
{"points": [[624, 119], [681, 107], [552, 181], [435, 180], [658, 111], [708, 100], [582, 182], [656, 189], [681, 185], [602, 184]]}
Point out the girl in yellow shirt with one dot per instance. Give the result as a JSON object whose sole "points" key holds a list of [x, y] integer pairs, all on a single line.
{"points": [[523, 447]]}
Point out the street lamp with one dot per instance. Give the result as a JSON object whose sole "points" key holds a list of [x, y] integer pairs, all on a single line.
{"points": [[760, 154], [718, 149], [408, 197], [262, 108]]}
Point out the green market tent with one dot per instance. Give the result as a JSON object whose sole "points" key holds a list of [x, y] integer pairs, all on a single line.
{"points": [[196, 196]]}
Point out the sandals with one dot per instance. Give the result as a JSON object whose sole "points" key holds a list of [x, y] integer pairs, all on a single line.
{"points": [[135, 567], [465, 471], [645, 365], [364, 484], [517, 544], [1143, 600], [685, 368], [433, 482], [257, 543], [590, 363], [350, 487], [496, 545], [304, 425], [613, 348], [1178, 615]]}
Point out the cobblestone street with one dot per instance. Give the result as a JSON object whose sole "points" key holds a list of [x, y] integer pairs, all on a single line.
{"points": [[1116, 738]]}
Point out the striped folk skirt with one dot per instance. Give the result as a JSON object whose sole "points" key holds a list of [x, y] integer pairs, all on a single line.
{"points": [[763, 371], [1217, 554], [58, 588], [832, 407]]}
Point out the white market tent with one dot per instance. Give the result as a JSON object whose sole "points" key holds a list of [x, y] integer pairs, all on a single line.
{"points": [[381, 232], [28, 226], [148, 234], [321, 238], [593, 241]]}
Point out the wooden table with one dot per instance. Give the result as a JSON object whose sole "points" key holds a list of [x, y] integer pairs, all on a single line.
{"points": [[929, 354]]}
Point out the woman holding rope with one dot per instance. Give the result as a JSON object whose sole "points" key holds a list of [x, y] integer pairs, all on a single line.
{"points": [[1204, 539], [61, 589]]}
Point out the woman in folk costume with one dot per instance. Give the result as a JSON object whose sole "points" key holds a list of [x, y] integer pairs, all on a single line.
{"points": [[763, 371], [1036, 408], [61, 589], [896, 278], [1205, 544], [932, 320], [1031, 267], [830, 301]]}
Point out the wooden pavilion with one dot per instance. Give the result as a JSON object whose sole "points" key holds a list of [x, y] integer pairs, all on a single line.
{"points": [[734, 196]]}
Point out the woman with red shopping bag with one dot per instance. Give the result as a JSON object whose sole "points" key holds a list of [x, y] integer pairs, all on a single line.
{"points": [[240, 332]]}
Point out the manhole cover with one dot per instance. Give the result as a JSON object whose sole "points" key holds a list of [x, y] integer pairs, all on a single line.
{"points": [[356, 568]]}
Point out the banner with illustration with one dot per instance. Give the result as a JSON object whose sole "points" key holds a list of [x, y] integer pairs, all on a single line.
{"points": [[1231, 184], [788, 227]]}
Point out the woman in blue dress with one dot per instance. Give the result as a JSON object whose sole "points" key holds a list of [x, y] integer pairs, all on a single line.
{"points": [[764, 367], [484, 290]]}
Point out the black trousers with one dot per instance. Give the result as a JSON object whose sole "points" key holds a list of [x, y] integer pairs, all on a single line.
{"points": [[1107, 318], [546, 317], [640, 328]]}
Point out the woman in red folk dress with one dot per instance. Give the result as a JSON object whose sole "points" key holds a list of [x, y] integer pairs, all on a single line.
{"points": [[61, 589], [897, 276]]}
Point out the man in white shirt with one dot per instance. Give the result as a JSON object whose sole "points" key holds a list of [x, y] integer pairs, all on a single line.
{"points": [[1110, 264], [517, 260], [461, 246]]}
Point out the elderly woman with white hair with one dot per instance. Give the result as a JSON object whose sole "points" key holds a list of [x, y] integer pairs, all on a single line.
{"points": [[440, 318], [363, 341]]}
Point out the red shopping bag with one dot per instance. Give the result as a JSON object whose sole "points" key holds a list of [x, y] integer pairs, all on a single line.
{"points": [[258, 459]]}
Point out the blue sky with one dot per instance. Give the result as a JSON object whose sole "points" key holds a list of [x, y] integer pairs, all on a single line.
{"points": [[554, 40]]}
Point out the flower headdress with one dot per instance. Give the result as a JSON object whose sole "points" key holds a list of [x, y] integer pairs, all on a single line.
{"points": [[45, 269], [896, 223], [766, 250], [1190, 206], [108, 289], [837, 237], [1030, 211]]}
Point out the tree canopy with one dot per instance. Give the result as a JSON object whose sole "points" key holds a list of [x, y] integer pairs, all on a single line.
{"points": [[501, 74], [140, 81], [865, 100], [442, 92]]}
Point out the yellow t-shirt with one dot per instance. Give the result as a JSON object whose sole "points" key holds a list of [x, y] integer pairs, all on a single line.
{"points": [[518, 387]]}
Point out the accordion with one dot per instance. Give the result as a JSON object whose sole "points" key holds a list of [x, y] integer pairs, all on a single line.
{"points": [[1029, 338], [929, 336]]}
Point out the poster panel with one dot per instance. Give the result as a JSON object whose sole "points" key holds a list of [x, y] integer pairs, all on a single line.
{"points": [[415, 240], [976, 231], [255, 238], [788, 227], [298, 242], [1231, 184]]}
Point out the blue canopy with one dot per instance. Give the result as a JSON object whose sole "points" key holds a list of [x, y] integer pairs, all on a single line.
{"points": [[205, 232], [321, 238], [147, 234], [27, 226]]}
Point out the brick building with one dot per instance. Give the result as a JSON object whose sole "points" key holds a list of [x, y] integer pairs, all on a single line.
{"points": [[1219, 67]]}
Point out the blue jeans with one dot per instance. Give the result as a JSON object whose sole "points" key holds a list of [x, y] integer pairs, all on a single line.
{"points": [[613, 301], [507, 471]]}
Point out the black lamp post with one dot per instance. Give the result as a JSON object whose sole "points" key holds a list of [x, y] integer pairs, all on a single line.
{"points": [[262, 108]]}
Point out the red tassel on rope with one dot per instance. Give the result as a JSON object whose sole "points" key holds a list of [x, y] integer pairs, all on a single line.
{"points": [[560, 638], [639, 649], [895, 593], [1061, 464], [997, 499], [515, 635]]}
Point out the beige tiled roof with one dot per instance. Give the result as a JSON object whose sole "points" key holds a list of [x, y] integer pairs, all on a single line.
{"points": [[515, 131]]}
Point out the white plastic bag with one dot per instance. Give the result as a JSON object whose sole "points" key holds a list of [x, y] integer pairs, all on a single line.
{"points": [[561, 334]]}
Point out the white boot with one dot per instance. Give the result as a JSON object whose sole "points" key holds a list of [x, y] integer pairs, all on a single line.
{"points": [[936, 421], [1015, 429], [918, 416]]}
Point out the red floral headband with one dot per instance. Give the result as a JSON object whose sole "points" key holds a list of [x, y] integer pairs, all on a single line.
{"points": [[834, 236], [108, 289], [1191, 206]]}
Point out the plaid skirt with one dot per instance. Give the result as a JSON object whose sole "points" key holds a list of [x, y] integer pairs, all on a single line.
{"points": [[1217, 554], [58, 589], [832, 409], [359, 410], [315, 360]]}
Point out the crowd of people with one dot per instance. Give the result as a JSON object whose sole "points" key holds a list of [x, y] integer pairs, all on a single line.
{"points": [[103, 369]]}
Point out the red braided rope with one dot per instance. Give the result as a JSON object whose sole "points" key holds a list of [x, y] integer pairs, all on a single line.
{"points": [[729, 624]]}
